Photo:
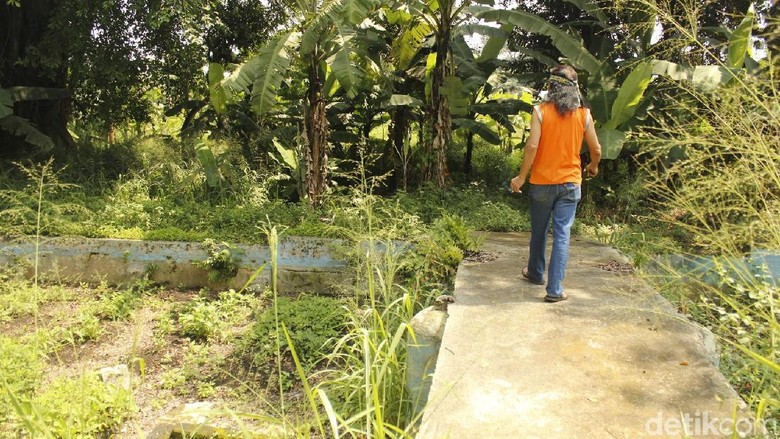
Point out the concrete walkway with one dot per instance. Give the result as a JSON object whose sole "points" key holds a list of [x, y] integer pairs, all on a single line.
{"points": [[613, 361]]}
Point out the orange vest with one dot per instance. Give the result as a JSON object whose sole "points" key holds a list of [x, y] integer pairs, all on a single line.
{"points": [[557, 159]]}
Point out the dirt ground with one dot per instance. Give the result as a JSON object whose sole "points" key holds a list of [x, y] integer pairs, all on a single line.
{"points": [[168, 371]]}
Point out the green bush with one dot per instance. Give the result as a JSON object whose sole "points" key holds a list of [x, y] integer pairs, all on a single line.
{"points": [[82, 407], [451, 230], [493, 166], [202, 319], [117, 305], [87, 327], [481, 209], [313, 322], [18, 298], [496, 216], [437, 253], [711, 163], [21, 368], [221, 263]]}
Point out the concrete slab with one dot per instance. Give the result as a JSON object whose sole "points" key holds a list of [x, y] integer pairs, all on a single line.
{"points": [[613, 361], [304, 264]]}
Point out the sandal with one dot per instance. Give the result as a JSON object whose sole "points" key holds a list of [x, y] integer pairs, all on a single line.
{"points": [[536, 282], [560, 298]]}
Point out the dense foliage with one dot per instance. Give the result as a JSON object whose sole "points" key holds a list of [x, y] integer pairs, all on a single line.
{"points": [[371, 120]]}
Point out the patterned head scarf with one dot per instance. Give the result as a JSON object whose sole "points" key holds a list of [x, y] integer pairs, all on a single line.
{"points": [[563, 81]]}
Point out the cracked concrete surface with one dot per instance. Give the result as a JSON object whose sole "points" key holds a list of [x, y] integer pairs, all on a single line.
{"points": [[614, 361]]}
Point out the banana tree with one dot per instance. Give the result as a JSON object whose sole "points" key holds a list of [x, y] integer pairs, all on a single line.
{"points": [[19, 126], [453, 75], [618, 92], [601, 77], [434, 20], [474, 101], [320, 44]]}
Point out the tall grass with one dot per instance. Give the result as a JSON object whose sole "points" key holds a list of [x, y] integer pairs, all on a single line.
{"points": [[360, 392], [712, 166]]}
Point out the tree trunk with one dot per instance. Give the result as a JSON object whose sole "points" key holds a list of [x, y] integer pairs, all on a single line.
{"points": [[368, 125], [316, 136], [469, 153], [23, 29], [441, 120]]}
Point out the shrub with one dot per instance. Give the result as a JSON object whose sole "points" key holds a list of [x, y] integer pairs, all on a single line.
{"points": [[479, 209], [493, 166], [202, 319], [221, 262], [18, 298], [451, 230], [21, 368], [117, 305], [82, 407], [313, 323], [712, 166], [497, 217]]}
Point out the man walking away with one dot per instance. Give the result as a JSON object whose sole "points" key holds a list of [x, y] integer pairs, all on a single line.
{"points": [[552, 155]]}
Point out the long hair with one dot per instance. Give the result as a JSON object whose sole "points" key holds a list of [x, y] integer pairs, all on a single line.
{"points": [[563, 90]]}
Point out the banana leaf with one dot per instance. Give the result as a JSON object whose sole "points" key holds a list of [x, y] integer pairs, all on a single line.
{"points": [[630, 94], [21, 127], [611, 142], [209, 164], [6, 103], [739, 43], [568, 45], [478, 128], [217, 94]]}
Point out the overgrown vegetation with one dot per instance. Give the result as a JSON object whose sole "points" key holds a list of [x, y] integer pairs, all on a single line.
{"points": [[714, 172], [689, 122], [705, 190], [313, 323]]}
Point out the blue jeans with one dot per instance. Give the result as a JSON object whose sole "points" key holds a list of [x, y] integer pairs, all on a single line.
{"points": [[559, 202]]}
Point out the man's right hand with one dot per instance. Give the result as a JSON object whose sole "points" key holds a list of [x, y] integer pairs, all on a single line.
{"points": [[592, 169], [516, 184]]}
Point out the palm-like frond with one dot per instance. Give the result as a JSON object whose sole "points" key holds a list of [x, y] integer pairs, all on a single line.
{"points": [[611, 142], [346, 72], [357, 10], [705, 78], [6, 103], [464, 58], [479, 128], [495, 44], [568, 45], [217, 94], [399, 100], [406, 47], [317, 26], [593, 10], [21, 127], [264, 73], [630, 94], [739, 43], [24, 93], [458, 100]]}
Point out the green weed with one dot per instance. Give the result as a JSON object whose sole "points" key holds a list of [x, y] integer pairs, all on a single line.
{"points": [[712, 169], [221, 263], [82, 407], [202, 319], [313, 323], [21, 368]]}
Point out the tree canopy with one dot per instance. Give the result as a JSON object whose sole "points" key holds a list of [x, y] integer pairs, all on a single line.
{"points": [[316, 78]]}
